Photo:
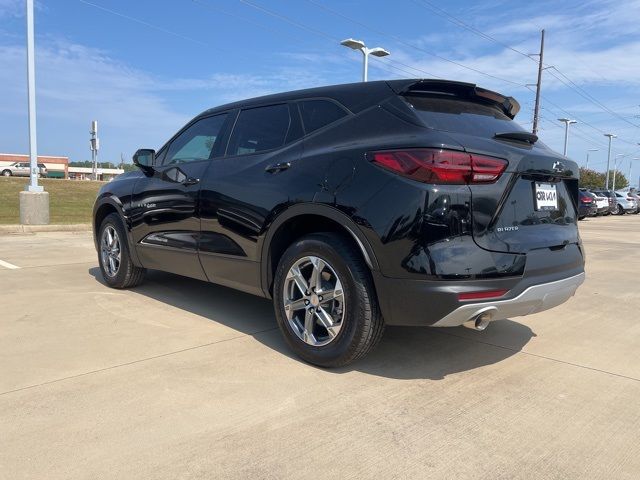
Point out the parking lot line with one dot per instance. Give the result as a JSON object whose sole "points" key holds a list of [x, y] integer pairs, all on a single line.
{"points": [[8, 265]]}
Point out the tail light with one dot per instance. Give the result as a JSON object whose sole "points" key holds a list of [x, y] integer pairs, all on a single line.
{"points": [[440, 166], [586, 200]]}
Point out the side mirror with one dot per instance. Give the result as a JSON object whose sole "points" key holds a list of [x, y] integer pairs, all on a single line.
{"points": [[145, 159]]}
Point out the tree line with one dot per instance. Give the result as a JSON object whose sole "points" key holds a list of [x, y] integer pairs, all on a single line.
{"points": [[592, 179]]}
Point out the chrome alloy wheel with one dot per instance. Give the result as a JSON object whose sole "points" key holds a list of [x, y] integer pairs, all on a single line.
{"points": [[110, 251], [314, 301]]}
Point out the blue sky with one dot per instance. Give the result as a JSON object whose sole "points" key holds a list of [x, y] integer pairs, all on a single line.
{"points": [[143, 68]]}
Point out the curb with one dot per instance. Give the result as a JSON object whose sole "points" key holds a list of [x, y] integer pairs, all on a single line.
{"points": [[72, 227]]}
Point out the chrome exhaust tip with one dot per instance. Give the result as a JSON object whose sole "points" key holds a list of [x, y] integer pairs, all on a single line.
{"points": [[481, 320]]}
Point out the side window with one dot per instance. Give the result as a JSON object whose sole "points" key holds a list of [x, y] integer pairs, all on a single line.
{"points": [[197, 142], [259, 129], [318, 113]]}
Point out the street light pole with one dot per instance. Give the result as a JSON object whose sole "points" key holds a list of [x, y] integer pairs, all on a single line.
{"points": [[610, 135], [615, 169], [34, 201], [566, 122], [586, 167], [359, 45], [630, 163], [31, 89]]}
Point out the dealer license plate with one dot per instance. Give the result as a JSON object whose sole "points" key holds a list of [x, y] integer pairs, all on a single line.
{"points": [[546, 196]]}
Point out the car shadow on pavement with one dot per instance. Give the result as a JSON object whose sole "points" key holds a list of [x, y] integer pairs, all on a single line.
{"points": [[403, 353]]}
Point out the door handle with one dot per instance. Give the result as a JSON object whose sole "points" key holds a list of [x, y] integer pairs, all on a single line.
{"points": [[190, 181], [278, 167]]}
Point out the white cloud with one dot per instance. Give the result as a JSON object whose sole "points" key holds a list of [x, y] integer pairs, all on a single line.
{"points": [[77, 84]]}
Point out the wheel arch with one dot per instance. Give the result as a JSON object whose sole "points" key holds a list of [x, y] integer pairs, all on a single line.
{"points": [[303, 219], [105, 206]]}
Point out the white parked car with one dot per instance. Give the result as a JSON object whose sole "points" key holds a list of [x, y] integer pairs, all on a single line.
{"points": [[602, 203]]}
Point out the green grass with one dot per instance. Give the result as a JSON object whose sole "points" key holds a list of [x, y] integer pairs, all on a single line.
{"points": [[70, 201]]}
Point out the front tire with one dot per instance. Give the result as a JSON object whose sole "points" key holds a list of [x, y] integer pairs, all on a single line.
{"points": [[116, 266], [325, 301], [6, 173], [620, 210]]}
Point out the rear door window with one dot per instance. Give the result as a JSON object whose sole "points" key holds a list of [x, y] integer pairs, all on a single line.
{"points": [[452, 114], [319, 113], [260, 129]]}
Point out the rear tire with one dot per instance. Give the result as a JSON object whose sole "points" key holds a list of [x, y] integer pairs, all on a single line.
{"points": [[620, 210], [355, 323], [116, 266]]}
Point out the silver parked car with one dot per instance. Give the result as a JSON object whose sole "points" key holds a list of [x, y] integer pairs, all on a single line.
{"points": [[22, 169], [635, 194], [626, 203]]}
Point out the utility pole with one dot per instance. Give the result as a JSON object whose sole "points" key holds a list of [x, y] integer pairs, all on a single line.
{"points": [[34, 201], [536, 108], [94, 144], [606, 182]]}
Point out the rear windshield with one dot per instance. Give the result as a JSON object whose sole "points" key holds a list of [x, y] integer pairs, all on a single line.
{"points": [[452, 114]]}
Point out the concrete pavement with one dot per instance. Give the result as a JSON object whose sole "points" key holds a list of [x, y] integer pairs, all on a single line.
{"points": [[182, 379]]}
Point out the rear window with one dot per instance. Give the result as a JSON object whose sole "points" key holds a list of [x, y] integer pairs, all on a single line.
{"points": [[318, 113], [451, 114]]}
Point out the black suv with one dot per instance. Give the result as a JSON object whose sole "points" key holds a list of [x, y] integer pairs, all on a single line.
{"points": [[405, 202]]}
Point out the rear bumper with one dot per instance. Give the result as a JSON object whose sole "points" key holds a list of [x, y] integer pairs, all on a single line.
{"points": [[534, 299], [550, 278]]}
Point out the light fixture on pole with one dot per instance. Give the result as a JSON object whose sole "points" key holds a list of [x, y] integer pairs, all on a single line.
{"points": [[566, 122], [359, 45], [34, 201], [586, 166], [606, 182]]}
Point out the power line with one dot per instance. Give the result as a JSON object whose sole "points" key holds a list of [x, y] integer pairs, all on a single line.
{"points": [[584, 94], [321, 33], [456, 21], [402, 42], [387, 64], [239, 17], [567, 81], [142, 22]]}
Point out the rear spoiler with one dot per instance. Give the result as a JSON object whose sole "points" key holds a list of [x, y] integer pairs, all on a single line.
{"points": [[508, 105]]}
